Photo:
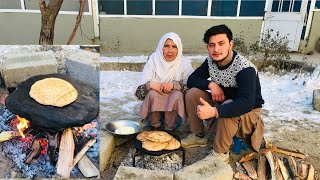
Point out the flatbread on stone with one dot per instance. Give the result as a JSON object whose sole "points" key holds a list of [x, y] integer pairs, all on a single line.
{"points": [[173, 144], [53, 91], [153, 146], [143, 136], [159, 136]]}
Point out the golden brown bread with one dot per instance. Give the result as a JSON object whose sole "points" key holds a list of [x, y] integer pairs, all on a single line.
{"points": [[159, 136], [53, 91], [173, 144], [153, 146]]}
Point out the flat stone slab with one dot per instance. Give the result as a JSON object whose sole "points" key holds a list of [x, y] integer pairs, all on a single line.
{"points": [[209, 168], [84, 66], [132, 173], [17, 67], [80, 112], [316, 99], [107, 145]]}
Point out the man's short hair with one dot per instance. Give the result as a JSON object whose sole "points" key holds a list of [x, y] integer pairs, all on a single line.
{"points": [[214, 30]]}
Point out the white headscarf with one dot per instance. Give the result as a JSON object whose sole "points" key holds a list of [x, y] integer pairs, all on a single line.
{"points": [[160, 70]]}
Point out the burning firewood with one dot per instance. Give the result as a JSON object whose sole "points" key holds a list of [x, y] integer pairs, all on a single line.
{"points": [[7, 135], [87, 168], [250, 169], [241, 176], [287, 165], [83, 150], [66, 151], [248, 157], [269, 157], [262, 170], [36, 151], [283, 169], [302, 171], [311, 173]]}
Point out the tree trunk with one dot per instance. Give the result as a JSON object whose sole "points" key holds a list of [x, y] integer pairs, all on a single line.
{"points": [[49, 14]]}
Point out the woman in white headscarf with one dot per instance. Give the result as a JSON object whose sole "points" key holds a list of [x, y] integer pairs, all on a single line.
{"points": [[164, 76]]}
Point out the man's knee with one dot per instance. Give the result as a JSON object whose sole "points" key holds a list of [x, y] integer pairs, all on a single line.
{"points": [[193, 93]]}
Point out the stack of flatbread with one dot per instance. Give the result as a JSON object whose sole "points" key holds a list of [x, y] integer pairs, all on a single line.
{"points": [[157, 141], [53, 91]]}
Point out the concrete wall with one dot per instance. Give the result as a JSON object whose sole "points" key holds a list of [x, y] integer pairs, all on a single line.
{"points": [[314, 31], [132, 35], [24, 28]]}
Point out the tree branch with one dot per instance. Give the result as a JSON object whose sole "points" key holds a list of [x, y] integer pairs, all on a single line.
{"points": [[79, 17], [43, 6]]}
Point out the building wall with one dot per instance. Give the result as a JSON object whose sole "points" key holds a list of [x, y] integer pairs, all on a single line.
{"points": [[314, 31], [141, 35], [24, 28]]}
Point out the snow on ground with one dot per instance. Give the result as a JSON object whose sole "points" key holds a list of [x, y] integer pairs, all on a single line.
{"points": [[287, 97]]}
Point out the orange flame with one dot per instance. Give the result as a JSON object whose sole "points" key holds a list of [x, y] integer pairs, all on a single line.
{"points": [[23, 125]]}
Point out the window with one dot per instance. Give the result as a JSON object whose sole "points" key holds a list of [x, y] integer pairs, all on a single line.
{"points": [[252, 8], [194, 7], [10, 4], [317, 6], [167, 7], [111, 6], [224, 8], [139, 7], [67, 5]]}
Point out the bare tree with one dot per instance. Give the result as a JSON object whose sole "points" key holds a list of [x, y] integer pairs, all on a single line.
{"points": [[49, 14]]}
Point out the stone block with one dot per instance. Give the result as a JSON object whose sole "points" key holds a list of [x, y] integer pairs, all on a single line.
{"points": [[316, 99], [134, 173], [17, 67], [209, 168], [84, 66], [107, 146]]}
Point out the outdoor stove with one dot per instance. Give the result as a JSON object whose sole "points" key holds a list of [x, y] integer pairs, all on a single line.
{"points": [[41, 126], [140, 151]]}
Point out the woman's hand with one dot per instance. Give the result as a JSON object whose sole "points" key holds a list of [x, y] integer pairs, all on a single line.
{"points": [[156, 86], [166, 87]]}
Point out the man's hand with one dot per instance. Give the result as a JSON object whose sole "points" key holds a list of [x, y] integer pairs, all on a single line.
{"points": [[166, 87], [205, 111], [216, 92], [156, 86]]}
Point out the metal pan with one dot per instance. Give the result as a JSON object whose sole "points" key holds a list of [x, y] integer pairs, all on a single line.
{"points": [[123, 127]]}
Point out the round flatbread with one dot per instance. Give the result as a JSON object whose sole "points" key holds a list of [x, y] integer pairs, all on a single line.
{"points": [[159, 136], [53, 91], [173, 144], [143, 136], [153, 146]]}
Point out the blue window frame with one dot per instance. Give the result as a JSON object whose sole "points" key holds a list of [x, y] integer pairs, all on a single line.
{"points": [[194, 7], [224, 8], [139, 7], [167, 7]]}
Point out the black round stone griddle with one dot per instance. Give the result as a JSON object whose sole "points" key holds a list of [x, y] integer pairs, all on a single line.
{"points": [[78, 113], [138, 146]]}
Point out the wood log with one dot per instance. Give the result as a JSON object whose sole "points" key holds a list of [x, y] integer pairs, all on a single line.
{"points": [[242, 176], [262, 169], [87, 168], [287, 165], [268, 142], [7, 135], [269, 157], [248, 157], [66, 151], [311, 173], [35, 153], [250, 170], [277, 170], [85, 148], [302, 171], [284, 151], [283, 169], [293, 165]]}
